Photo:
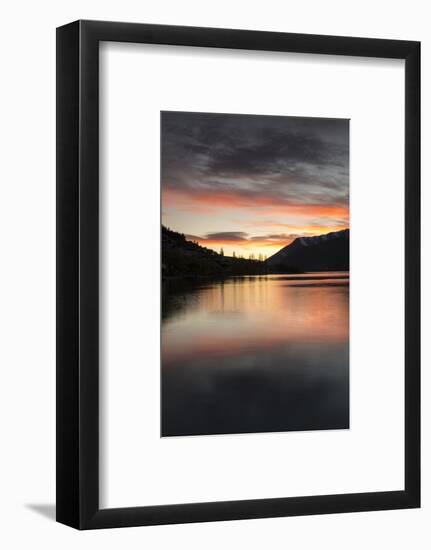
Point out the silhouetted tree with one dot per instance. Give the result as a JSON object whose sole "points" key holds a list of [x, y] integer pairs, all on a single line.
{"points": [[221, 252]]}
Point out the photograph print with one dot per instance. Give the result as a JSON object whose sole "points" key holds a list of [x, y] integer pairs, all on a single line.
{"points": [[254, 273]]}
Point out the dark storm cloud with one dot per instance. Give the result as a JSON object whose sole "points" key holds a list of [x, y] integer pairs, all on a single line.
{"points": [[299, 160]]}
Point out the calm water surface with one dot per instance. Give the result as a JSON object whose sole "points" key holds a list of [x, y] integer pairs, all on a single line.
{"points": [[258, 353]]}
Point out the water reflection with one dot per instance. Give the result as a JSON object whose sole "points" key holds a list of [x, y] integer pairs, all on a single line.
{"points": [[255, 354]]}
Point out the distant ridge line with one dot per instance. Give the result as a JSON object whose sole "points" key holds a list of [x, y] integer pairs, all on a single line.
{"points": [[329, 251]]}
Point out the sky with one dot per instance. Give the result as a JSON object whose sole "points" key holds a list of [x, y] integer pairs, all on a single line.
{"points": [[251, 184]]}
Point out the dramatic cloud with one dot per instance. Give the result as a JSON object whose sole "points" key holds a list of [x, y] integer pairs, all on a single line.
{"points": [[299, 160], [292, 170]]}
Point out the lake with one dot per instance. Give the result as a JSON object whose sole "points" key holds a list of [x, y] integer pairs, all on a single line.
{"points": [[263, 353]]}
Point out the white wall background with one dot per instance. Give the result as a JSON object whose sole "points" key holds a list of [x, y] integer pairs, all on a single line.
{"points": [[27, 351], [369, 92]]}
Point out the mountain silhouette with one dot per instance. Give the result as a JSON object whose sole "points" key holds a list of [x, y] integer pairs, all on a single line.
{"points": [[184, 258], [328, 252]]}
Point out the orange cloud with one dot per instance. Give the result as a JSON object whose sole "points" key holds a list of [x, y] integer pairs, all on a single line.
{"points": [[317, 219], [208, 201]]}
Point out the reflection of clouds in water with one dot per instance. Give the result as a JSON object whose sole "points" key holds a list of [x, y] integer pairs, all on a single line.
{"points": [[225, 318], [287, 388], [311, 276], [318, 284], [234, 314], [255, 345]]}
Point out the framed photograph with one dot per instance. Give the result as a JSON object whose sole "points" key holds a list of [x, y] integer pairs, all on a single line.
{"points": [[238, 274]]}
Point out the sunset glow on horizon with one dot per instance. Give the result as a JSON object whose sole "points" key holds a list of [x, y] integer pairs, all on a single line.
{"points": [[252, 184]]}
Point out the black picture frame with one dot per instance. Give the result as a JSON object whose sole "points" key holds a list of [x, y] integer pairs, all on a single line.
{"points": [[78, 274]]}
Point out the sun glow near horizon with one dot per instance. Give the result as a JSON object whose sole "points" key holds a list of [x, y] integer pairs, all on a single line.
{"points": [[250, 185]]}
